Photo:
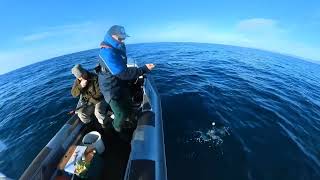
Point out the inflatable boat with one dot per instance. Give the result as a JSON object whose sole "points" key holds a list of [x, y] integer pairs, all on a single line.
{"points": [[141, 157]]}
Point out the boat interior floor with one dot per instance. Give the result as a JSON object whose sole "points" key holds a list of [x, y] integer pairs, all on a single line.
{"points": [[114, 160]]}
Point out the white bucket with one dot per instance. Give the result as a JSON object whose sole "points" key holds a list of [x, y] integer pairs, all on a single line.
{"points": [[93, 138]]}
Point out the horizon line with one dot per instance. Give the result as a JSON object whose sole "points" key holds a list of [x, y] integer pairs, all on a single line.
{"points": [[154, 42]]}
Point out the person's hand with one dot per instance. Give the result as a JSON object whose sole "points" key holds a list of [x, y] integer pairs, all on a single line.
{"points": [[83, 83], [150, 66]]}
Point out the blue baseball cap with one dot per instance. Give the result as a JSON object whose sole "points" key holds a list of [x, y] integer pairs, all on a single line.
{"points": [[119, 31]]}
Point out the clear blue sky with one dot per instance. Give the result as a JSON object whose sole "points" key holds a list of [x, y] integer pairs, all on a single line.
{"points": [[32, 30]]}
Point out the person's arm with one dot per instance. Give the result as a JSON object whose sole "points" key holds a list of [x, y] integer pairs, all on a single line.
{"points": [[76, 89], [118, 68], [131, 73], [98, 94]]}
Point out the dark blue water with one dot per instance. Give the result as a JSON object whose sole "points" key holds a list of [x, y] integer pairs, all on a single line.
{"points": [[265, 108]]}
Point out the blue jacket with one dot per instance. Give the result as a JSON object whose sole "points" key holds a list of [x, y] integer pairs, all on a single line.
{"points": [[115, 74]]}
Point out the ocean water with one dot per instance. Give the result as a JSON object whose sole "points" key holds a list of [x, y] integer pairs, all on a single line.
{"points": [[229, 112]]}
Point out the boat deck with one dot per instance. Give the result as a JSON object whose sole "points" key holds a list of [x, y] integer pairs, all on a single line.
{"points": [[116, 155], [113, 161]]}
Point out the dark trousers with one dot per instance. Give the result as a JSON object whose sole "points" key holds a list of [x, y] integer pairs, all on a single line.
{"points": [[121, 106], [122, 111]]}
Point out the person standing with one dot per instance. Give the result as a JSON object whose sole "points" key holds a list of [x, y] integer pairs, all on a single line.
{"points": [[114, 75]]}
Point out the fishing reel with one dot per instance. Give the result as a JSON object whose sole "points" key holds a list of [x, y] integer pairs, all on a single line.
{"points": [[136, 90]]}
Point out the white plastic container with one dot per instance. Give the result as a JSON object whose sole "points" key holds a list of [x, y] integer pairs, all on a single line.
{"points": [[93, 138]]}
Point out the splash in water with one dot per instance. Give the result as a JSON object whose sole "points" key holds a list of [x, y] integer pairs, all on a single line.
{"points": [[213, 137]]}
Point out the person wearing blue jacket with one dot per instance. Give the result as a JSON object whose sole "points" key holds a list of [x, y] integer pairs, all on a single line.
{"points": [[114, 75]]}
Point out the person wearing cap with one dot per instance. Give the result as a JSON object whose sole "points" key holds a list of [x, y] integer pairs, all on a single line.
{"points": [[87, 86], [114, 75]]}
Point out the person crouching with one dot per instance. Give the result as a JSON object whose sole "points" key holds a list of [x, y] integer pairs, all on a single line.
{"points": [[87, 86]]}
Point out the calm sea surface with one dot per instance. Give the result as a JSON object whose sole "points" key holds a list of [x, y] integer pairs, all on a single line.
{"points": [[229, 112]]}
